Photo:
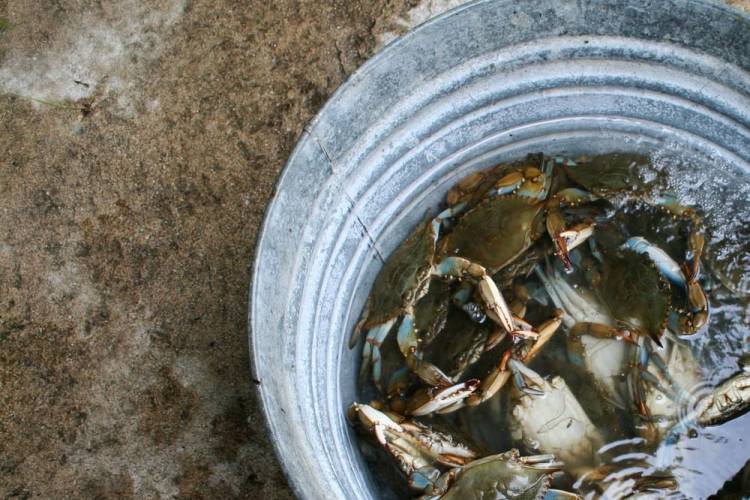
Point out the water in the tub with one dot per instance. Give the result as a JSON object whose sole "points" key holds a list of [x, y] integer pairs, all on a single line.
{"points": [[572, 326]]}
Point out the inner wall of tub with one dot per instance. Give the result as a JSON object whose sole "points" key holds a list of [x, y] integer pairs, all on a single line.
{"points": [[704, 175]]}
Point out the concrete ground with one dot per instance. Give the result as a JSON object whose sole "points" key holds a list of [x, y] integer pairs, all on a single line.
{"points": [[139, 144]]}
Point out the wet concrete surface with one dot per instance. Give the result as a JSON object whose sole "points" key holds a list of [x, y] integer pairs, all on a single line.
{"points": [[140, 142]]}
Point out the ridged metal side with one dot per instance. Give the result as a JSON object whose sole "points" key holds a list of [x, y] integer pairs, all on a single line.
{"points": [[490, 81]]}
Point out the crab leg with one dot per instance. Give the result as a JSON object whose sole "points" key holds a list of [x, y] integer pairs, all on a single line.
{"points": [[521, 374], [496, 307], [664, 263], [602, 331], [696, 239], [508, 184], [553, 494], [566, 239], [408, 342], [371, 355], [696, 242], [698, 316], [445, 215], [555, 227], [429, 401], [531, 182], [648, 356], [684, 278], [501, 374]]}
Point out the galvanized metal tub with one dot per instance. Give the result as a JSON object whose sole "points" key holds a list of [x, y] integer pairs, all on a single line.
{"points": [[487, 82]]}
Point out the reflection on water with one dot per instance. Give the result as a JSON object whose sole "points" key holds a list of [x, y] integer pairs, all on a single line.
{"points": [[709, 458]]}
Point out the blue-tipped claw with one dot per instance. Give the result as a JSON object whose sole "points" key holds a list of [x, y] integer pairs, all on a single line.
{"points": [[522, 373], [371, 353], [664, 263]]}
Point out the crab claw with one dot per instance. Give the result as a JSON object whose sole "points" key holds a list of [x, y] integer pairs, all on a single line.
{"points": [[496, 307], [499, 376], [555, 229], [577, 234], [698, 303], [433, 400], [566, 239], [684, 277], [696, 242], [546, 331], [374, 420], [663, 262], [729, 400], [535, 385]]}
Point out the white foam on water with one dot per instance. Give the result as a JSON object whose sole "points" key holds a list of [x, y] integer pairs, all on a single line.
{"points": [[722, 191]]}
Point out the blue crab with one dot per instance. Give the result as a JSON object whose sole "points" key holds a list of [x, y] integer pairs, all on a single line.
{"points": [[555, 422], [730, 399], [664, 396], [439, 466], [660, 375], [605, 310], [660, 385], [591, 344], [487, 235], [404, 279], [477, 391], [505, 475], [419, 450], [622, 177], [636, 284]]}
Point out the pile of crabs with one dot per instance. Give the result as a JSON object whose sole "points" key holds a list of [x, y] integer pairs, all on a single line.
{"points": [[542, 252]]}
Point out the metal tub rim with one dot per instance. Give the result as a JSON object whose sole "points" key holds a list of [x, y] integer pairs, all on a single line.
{"points": [[629, 75]]}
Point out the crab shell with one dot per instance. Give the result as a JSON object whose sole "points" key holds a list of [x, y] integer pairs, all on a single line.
{"points": [[609, 175], [685, 374], [635, 291], [473, 188], [555, 423], [404, 278], [496, 232], [506, 475]]}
